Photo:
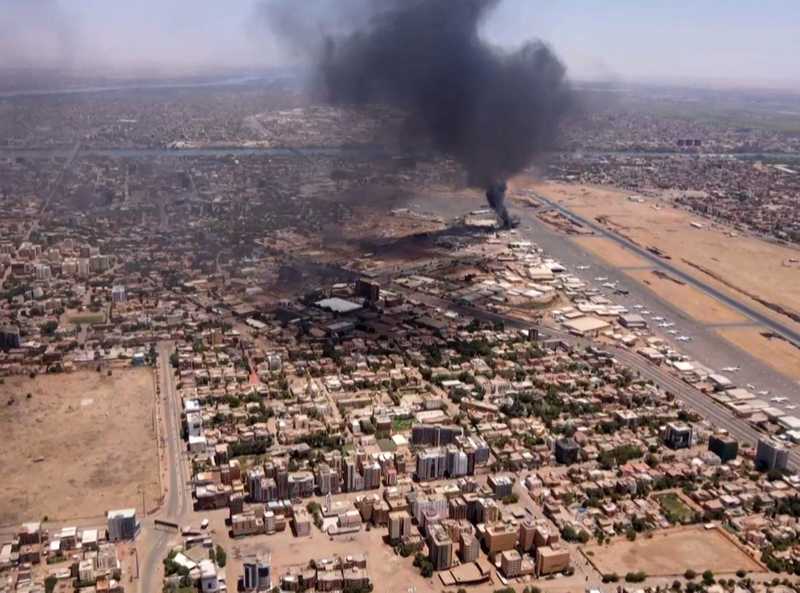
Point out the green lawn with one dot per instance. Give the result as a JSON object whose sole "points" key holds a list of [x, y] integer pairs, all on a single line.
{"points": [[674, 508], [401, 424]]}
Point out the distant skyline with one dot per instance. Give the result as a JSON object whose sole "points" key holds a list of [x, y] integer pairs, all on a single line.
{"points": [[711, 41]]}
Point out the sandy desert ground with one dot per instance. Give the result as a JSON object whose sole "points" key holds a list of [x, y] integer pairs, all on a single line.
{"points": [[672, 552], [83, 443]]}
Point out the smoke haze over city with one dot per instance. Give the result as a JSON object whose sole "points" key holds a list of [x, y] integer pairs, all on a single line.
{"points": [[710, 42]]}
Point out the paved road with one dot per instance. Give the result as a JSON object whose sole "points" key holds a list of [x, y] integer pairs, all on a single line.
{"points": [[779, 328], [153, 542]]}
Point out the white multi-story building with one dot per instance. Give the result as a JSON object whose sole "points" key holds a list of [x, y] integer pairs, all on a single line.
{"points": [[83, 268], [42, 272], [258, 573], [118, 294]]}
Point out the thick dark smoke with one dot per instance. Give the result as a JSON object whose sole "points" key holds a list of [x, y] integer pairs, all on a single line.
{"points": [[493, 111], [496, 196]]}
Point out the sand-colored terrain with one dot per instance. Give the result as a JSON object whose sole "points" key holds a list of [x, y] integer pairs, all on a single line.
{"points": [[672, 552], [778, 353], [694, 302], [611, 252], [743, 265], [82, 444]]}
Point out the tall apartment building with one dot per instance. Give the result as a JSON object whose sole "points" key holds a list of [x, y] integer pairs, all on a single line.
{"points": [[431, 464], [257, 573], [457, 462], [434, 435], [770, 454], [440, 547]]}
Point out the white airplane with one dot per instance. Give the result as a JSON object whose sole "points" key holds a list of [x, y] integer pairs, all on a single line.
{"points": [[731, 369]]}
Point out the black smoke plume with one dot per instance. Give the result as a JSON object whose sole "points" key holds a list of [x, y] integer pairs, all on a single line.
{"points": [[496, 196], [492, 110]]}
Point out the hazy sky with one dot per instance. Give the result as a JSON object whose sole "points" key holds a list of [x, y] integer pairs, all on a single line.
{"points": [[715, 40]]}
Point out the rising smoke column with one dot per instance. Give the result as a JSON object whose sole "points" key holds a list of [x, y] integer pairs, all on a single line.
{"points": [[491, 110]]}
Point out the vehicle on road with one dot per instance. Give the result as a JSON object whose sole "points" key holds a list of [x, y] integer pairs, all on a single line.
{"points": [[731, 369], [684, 338]]}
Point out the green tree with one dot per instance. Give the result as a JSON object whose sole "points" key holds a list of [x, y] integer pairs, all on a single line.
{"points": [[50, 583], [635, 577], [222, 557], [427, 569], [48, 328]]}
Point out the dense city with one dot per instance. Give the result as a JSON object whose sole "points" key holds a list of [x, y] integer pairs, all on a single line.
{"points": [[253, 340]]}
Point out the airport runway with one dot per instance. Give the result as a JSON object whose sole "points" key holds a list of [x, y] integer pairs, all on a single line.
{"points": [[707, 346], [659, 262]]}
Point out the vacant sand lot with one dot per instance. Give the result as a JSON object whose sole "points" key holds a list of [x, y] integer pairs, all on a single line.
{"points": [[611, 252], [693, 302], [672, 552], [389, 572], [94, 437], [777, 353]]}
